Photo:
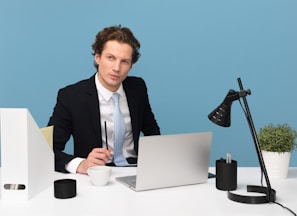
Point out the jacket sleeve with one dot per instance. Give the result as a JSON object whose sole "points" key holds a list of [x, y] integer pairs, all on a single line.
{"points": [[61, 120]]}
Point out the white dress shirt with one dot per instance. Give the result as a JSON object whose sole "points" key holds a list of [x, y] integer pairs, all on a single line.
{"points": [[106, 115]]}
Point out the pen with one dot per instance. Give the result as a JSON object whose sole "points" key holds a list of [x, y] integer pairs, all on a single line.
{"points": [[228, 158], [105, 135]]}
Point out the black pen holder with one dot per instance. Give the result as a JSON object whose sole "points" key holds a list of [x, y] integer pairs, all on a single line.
{"points": [[226, 175]]}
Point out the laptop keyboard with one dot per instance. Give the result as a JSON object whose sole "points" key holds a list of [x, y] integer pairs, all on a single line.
{"points": [[132, 182]]}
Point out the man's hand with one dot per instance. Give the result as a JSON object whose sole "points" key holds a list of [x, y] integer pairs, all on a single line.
{"points": [[97, 157]]}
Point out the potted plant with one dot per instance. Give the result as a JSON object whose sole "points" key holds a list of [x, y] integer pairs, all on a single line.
{"points": [[276, 143]]}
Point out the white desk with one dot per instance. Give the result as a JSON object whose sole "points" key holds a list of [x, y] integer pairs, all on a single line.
{"points": [[116, 199]]}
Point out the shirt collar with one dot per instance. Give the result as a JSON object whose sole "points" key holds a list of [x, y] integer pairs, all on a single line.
{"points": [[104, 92]]}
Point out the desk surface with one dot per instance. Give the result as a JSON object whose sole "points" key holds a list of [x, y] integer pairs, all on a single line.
{"points": [[116, 199]]}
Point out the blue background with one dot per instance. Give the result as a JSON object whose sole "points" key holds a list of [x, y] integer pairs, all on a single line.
{"points": [[192, 54]]}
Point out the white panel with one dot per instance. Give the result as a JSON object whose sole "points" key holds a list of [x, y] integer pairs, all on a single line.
{"points": [[27, 159]]}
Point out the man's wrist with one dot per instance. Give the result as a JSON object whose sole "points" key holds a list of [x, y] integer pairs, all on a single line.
{"points": [[74, 164]]}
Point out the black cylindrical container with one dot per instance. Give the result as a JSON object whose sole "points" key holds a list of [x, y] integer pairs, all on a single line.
{"points": [[226, 175], [65, 188]]}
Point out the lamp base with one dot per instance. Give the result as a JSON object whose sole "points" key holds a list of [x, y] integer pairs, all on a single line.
{"points": [[268, 197]]}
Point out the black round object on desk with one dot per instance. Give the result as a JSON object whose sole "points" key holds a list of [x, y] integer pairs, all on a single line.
{"points": [[65, 188]]}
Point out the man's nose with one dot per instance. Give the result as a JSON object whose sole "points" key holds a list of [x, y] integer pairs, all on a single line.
{"points": [[116, 66]]}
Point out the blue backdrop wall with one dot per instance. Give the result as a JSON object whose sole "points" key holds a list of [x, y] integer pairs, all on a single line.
{"points": [[192, 54]]}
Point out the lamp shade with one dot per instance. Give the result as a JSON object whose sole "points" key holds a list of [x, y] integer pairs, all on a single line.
{"points": [[222, 114]]}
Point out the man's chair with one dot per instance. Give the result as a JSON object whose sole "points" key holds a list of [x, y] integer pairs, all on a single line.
{"points": [[48, 134]]}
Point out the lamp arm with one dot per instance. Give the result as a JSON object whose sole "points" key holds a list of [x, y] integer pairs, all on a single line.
{"points": [[256, 142]]}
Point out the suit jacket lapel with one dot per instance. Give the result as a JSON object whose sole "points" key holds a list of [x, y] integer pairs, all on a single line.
{"points": [[93, 107]]}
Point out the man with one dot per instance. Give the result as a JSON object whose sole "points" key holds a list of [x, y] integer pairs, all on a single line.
{"points": [[85, 109]]}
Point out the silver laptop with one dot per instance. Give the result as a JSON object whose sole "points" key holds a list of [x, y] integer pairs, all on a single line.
{"points": [[170, 161]]}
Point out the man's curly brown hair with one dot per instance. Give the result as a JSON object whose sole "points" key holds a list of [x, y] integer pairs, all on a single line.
{"points": [[117, 33]]}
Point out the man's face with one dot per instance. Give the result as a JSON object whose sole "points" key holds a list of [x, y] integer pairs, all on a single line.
{"points": [[114, 63]]}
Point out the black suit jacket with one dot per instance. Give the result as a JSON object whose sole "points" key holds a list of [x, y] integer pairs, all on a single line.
{"points": [[77, 114]]}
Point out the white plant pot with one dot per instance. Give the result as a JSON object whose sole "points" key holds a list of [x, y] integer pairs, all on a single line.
{"points": [[277, 164]]}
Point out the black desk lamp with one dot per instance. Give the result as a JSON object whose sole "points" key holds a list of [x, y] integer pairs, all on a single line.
{"points": [[221, 117]]}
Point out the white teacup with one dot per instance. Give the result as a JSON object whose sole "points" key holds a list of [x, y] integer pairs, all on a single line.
{"points": [[99, 175]]}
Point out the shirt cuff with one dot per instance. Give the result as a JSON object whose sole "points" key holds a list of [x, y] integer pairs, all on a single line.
{"points": [[73, 164]]}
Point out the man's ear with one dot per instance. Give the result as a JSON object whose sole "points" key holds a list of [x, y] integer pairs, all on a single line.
{"points": [[97, 58]]}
